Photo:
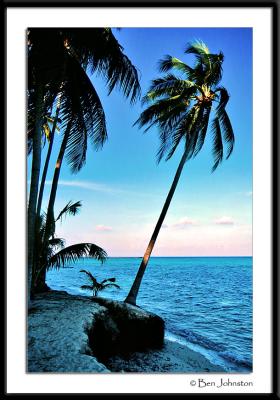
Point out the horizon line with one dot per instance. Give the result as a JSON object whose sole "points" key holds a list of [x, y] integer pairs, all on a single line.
{"points": [[177, 256]]}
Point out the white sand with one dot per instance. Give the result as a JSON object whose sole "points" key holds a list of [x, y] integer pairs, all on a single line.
{"points": [[57, 338], [58, 342]]}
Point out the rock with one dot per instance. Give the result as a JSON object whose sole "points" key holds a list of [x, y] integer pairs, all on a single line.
{"points": [[124, 328], [76, 333]]}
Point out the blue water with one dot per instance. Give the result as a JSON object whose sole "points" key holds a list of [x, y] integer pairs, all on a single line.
{"points": [[206, 302]]}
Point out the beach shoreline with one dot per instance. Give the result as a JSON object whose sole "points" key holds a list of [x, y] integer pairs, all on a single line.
{"points": [[172, 358], [58, 342]]}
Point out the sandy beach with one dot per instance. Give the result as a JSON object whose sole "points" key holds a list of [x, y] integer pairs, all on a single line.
{"points": [[58, 342], [173, 358]]}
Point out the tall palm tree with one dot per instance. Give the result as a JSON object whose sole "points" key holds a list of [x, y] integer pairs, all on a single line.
{"points": [[181, 107], [49, 134], [65, 52], [96, 50], [49, 126], [44, 56], [54, 254]]}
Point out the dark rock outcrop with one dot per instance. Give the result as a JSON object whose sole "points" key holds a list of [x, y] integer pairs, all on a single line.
{"points": [[122, 328]]}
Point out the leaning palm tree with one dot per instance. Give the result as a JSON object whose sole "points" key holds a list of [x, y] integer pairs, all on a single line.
{"points": [[96, 286], [181, 107], [55, 254]]}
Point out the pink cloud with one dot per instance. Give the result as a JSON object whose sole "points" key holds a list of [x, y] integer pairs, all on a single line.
{"points": [[103, 228], [224, 221], [184, 222]]}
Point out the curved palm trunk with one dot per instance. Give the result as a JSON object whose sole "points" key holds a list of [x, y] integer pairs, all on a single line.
{"points": [[39, 285], [34, 184], [46, 166], [131, 298], [40, 197]]}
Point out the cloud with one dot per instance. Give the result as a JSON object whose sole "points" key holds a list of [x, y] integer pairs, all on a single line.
{"points": [[103, 228], [102, 188], [185, 222], [97, 187], [224, 221]]}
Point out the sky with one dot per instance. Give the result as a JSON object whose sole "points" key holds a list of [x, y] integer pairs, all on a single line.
{"points": [[122, 188]]}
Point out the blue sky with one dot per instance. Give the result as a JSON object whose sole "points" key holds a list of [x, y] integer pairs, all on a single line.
{"points": [[122, 188]]}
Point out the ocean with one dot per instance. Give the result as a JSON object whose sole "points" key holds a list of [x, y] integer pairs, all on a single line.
{"points": [[206, 302]]}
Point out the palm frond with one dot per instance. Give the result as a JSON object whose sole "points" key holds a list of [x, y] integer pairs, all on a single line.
{"points": [[80, 104], [98, 49], [217, 143], [224, 98], [181, 109], [108, 280], [169, 134], [168, 86], [97, 252], [208, 68], [56, 243], [74, 253], [157, 112], [197, 47], [69, 209], [90, 276], [214, 65], [227, 130], [168, 63], [108, 285], [87, 287], [178, 135], [203, 130], [181, 132], [195, 124]]}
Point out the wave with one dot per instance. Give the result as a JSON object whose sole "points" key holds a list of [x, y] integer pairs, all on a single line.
{"points": [[236, 359], [195, 338], [232, 361]]}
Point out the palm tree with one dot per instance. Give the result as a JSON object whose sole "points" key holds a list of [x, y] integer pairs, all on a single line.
{"points": [[49, 134], [62, 56], [56, 255], [45, 56], [181, 107], [96, 286], [49, 126]]}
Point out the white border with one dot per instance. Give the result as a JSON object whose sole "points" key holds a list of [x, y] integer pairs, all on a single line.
{"points": [[18, 19]]}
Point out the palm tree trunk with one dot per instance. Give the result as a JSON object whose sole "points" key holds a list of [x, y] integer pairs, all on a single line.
{"points": [[40, 198], [46, 166], [131, 298], [40, 283], [57, 170], [34, 184]]}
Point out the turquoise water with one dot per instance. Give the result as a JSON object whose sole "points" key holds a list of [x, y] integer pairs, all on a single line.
{"points": [[206, 302]]}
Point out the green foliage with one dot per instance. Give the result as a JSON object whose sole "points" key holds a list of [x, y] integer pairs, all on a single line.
{"points": [[69, 209], [58, 59], [54, 254], [181, 105], [96, 286]]}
